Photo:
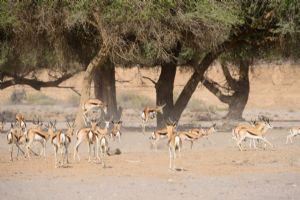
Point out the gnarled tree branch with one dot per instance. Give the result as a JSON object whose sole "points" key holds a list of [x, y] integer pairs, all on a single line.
{"points": [[34, 83]]}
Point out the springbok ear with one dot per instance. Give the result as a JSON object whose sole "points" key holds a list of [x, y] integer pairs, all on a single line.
{"points": [[112, 122], [11, 125]]}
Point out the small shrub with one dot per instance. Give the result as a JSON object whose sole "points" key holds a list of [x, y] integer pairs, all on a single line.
{"points": [[18, 96], [40, 99], [74, 100], [132, 100]]}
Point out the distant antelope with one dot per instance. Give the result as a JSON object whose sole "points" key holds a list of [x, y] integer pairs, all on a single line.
{"points": [[93, 105], [174, 143], [15, 137], [20, 119], [293, 133], [102, 144], [150, 113], [116, 130], [256, 132], [196, 133], [2, 125]]}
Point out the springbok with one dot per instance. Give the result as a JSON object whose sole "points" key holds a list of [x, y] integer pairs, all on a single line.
{"points": [[15, 137], [157, 135], [20, 119], [36, 134], [93, 105], [293, 133], [150, 113], [2, 125], [174, 143], [256, 132], [116, 130], [91, 135]]}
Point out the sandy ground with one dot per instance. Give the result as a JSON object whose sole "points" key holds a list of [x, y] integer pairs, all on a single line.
{"points": [[213, 169]]}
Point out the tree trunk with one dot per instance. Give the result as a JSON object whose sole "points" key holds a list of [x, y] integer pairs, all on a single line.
{"points": [[164, 91], [97, 61], [239, 99], [105, 87], [191, 86]]}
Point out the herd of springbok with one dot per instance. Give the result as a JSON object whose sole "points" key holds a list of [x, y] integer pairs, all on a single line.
{"points": [[98, 137]]}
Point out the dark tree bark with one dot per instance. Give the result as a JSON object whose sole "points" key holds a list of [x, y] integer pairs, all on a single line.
{"points": [[239, 89], [239, 99], [236, 39], [105, 87], [164, 91]]}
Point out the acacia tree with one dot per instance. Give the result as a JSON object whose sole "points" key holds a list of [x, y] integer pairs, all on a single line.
{"points": [[281, 42], [263, 22], [139, 32]]}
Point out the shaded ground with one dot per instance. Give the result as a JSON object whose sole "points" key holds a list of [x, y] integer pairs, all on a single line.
{"points": [[215, 170]]}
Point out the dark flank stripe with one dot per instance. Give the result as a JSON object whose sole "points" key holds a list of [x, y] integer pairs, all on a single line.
{"points": [[69, 138], [40, 134], [189, 136], [251, 133]]}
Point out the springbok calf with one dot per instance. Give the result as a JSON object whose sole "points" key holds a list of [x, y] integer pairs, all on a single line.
{"points": [[20, 119], [293, 133], [256, 132], [15, 137], [38, 135], [150, 113], [174, 143], [116, 130]]}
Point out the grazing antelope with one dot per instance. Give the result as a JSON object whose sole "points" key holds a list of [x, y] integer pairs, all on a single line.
{"points": [[116, 130], [15, 137], [20, 119], [174, 143], [2, 125], [256, 132], [293, 133], [36, 134], [150, 113], [90, 134]]}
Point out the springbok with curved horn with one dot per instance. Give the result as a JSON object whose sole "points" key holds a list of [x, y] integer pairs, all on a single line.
{"points": [[256, 132]]}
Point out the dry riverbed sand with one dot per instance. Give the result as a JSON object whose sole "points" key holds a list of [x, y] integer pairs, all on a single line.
{"points": [[213, 169]]}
